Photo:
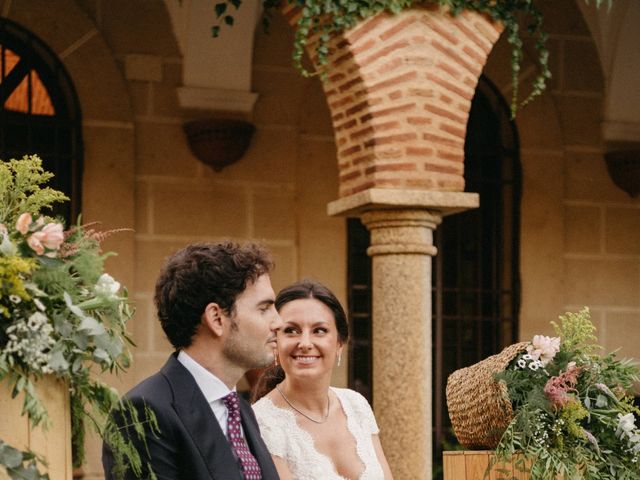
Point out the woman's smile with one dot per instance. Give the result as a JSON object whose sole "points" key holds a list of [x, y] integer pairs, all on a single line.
{"points": [[306, 359]]}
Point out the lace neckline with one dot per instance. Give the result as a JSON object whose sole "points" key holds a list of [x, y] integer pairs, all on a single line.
{"points": [[346, 410]]}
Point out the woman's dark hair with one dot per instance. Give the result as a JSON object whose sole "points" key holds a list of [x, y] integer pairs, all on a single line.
{"points": [[301, 290], [200, 274]]}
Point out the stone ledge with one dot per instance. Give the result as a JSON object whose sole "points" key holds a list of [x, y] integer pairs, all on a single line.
{"points": [[217, 99], [446, 203], [621, 131]]}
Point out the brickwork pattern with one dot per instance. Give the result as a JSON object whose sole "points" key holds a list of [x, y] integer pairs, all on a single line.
{"points": [[399, 89]]}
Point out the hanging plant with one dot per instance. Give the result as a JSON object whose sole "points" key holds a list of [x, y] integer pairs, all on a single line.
{"points": [[325, 19]]}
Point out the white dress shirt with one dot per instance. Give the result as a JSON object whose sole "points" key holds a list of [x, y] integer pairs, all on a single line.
{"points": [[211, 387]]}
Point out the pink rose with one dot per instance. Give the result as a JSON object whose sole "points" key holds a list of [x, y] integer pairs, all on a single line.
{"points": [[35, 244], [23, 222], [50, 237], [53, 236]]}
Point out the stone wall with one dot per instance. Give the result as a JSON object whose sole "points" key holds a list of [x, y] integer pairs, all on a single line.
{"points": [[580, 233]]}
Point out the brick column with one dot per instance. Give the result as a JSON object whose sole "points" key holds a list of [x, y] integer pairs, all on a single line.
{"points": [[399, 90]]}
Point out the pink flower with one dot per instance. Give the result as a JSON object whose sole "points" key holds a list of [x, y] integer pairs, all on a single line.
{"points": [[3, 230], [23, 222], [50, 237], [36, 245], [544, 348], [53, 235], [558, 388]]}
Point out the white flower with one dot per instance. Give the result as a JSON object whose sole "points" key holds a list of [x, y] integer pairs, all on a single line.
{"points": [[534, 366], [601, 401], [15, 298], [544, 348], [106, 286], [36, 320], [521, 363], [626, 424]]}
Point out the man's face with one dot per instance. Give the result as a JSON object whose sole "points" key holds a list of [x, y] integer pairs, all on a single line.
{"points": [[252, 338]]}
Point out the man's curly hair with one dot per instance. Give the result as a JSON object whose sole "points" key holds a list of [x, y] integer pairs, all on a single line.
{"points": [[200, 274]]}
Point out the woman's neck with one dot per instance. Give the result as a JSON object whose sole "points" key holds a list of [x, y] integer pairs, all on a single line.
{"points": [[312, 396]]}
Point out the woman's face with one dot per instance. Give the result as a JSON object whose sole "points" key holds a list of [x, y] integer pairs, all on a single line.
{"points": [[308, 342]]}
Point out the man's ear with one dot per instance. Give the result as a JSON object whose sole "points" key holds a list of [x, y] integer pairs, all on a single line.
{"points": [[212, 318]]}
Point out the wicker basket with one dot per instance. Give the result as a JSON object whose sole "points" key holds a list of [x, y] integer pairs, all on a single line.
{"points": [[479, 407]]}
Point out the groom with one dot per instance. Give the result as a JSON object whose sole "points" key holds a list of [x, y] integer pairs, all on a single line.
{"points": [[216, 305]]}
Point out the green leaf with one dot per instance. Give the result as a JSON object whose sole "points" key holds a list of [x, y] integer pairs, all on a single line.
{"points": [[81, 339], [215, 31], [58, 362], [92, 326], [228, 20], [236, 3], [110, 344], [101, 356], [10, 456], [220, 8]]}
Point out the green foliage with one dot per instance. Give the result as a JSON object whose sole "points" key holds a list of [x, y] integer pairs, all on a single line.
{"points": [[576, 332], [133, 428], [21, 188], [60, 314], [326, 19], [572, 416], [20, 465]]}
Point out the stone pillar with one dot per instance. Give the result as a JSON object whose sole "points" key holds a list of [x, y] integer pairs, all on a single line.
{"points": [[401, 223], [401, 250]]}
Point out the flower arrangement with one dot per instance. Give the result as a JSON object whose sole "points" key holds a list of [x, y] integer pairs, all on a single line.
{"points": [[60, 314], [323, 19], [573, 409]]}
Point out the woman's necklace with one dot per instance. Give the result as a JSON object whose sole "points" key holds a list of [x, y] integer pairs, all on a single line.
{"points": [[304, 414]]}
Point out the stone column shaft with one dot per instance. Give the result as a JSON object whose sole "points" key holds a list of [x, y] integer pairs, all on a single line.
{"points": [[401, 223], [401, 250]]}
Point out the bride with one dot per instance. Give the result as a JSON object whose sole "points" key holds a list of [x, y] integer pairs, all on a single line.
{"points": [[315, 431]]}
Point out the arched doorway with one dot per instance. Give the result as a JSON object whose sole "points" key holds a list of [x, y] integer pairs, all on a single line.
{"points": [[476, 290], [476, 280], [39, 112]]}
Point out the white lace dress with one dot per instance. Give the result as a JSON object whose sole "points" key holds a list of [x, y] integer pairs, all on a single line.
{"points": [[285, 439]]}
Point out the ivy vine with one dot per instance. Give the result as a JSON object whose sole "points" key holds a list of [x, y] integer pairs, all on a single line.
{"points": [[325, 19]]}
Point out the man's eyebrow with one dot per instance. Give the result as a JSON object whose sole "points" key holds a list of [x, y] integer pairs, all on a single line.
{"points": [[267, 301]]}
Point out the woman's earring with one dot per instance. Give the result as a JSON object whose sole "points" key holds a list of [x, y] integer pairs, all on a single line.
{"points": [[339, 358], [275, 358]]}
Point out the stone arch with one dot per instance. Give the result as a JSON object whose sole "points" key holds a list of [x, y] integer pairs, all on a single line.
{"points": [[107, 117]]}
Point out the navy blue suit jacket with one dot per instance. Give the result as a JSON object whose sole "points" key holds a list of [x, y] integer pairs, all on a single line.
{"points": [[190, 445]]}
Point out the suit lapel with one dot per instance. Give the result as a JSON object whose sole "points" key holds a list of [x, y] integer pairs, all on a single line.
{"points": [[197, 417]]}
